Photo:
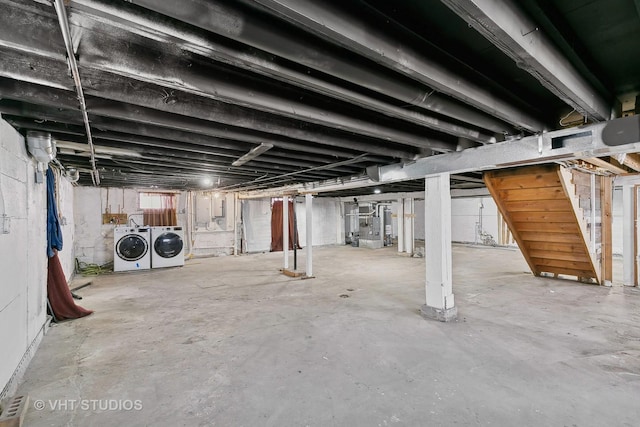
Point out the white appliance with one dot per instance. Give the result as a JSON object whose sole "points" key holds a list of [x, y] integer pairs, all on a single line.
{"points": [[131, 248], [167, 245]]}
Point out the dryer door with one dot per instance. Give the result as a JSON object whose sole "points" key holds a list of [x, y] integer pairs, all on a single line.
{"points": [[132, 247], [168, 244]]}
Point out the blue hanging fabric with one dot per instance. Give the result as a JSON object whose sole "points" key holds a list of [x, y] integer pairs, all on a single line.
{"points": [[54, 232]]}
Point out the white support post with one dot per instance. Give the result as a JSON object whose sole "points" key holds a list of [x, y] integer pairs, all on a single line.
{"points": [[381, 222], [340, 225], [409, 243], [400, 225], [285, 230], [628, 220], [440, 304], [308, 199], [593, 213]]}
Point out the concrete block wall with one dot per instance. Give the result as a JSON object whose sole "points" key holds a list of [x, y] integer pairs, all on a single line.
{"points": [[212, 235], [94, 240], [256, 224], [23, 259], [328, 222], [467, 213]]}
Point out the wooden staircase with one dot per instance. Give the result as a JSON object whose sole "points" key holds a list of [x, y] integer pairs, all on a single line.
{"points": [[542, 208]]}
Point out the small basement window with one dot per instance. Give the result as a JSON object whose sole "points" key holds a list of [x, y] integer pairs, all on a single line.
{"points": [[159, 209]]}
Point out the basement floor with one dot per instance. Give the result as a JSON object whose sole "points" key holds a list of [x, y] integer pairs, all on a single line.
{"points": [[232, 342]]}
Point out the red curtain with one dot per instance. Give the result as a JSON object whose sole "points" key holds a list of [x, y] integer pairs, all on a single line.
{"points": [[165, 215], [276, 227]]}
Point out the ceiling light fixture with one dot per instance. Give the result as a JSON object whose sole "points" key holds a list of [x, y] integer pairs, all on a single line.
{"points": [[377, 191], [76, 148], [207, 181], [255, 152]]}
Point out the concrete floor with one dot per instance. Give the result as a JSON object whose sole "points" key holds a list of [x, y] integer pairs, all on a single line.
{"points": [[231, 342]]}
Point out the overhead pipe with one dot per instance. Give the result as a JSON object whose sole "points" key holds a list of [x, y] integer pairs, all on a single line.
{"points": [[73, 65], [220, 18], [366, 39]]}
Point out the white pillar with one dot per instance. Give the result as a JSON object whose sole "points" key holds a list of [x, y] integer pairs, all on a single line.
{"points": [[285, 230], [381, 222], [341, 232], [440, 303], [308, 199], [409, 242], [628, 220], [400, 225]]}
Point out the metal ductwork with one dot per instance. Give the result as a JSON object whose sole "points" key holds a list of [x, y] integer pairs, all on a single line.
{"points": [[41, 146], [72, 174]]}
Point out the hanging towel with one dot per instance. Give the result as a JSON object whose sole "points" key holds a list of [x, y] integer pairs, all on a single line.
{"points": [[54, 232]]}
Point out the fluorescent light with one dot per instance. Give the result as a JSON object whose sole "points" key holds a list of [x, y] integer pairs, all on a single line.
{"points": [[68, 147], [255, 152]]}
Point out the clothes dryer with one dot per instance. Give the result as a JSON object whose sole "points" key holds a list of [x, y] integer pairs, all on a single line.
{"points": [[167, 247]]}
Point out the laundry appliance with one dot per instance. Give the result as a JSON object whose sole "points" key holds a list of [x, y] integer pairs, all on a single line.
{"points": [[131, 248], [167, 247]]}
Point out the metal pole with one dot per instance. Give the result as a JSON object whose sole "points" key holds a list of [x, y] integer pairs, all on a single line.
{"points": [[295, 238], [285, 230], [73, 66]]}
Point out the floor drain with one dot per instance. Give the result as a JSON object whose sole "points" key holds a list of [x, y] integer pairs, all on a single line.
{"points": [[349, 289], [344, 296]]}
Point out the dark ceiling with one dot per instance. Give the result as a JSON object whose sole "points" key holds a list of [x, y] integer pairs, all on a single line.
{"points": [[177, 91]]}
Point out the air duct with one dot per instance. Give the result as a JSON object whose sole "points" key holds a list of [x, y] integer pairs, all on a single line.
{"points": [[41, 146], [72, 175]]}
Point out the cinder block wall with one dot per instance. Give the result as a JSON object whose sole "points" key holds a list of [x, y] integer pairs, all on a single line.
{"points": [[23, 259]]}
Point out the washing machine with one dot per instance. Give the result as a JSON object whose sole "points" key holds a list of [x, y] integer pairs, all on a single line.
{"points": [[131, 248], [167, 245]]}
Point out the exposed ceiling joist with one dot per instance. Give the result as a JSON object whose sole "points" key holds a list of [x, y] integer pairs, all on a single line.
{"points": [[631, 160], [366, 39], [505, 25], [335, 87], [285, 42], [606, 165]]}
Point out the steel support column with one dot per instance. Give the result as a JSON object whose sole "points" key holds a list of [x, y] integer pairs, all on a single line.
{"points": [[285, 231]]}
